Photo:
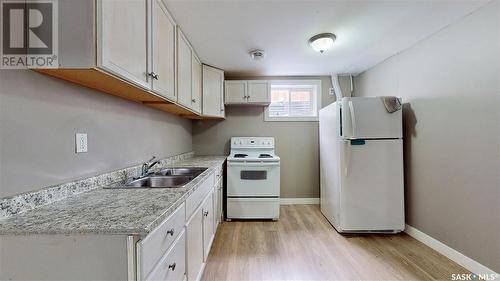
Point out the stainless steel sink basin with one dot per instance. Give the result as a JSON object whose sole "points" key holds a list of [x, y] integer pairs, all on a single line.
{"points": [[181, 171], [161, 181], [166, 178]]}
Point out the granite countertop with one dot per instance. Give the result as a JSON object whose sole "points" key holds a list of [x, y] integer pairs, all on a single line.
{"points": [[109, 211]]}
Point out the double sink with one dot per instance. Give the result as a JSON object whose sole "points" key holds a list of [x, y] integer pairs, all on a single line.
{"points": [[166, 178]]}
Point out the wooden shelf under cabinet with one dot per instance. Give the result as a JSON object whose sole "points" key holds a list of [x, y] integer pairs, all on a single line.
{"points": [[99, 80]]}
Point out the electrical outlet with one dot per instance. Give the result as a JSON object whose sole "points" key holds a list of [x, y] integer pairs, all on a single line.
{"points": [[81, 143]]}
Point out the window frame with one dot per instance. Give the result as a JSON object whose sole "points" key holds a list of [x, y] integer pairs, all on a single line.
{"points": [[311, 82]]}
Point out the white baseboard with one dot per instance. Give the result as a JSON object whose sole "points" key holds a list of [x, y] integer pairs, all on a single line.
{"points": [[299, 201], [454, 255]]}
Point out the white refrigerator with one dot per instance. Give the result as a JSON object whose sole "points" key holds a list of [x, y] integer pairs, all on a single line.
{"points": [[361, 166]]}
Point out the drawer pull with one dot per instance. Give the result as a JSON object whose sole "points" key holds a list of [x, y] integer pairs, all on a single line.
{"points": [[172, 266], [205, 213], [171, 232]]}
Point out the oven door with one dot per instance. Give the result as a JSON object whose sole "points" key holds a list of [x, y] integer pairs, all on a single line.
{"points": [[253, 179]]}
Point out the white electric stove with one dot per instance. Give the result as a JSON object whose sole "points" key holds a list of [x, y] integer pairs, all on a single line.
{"points": [[253, 179]]}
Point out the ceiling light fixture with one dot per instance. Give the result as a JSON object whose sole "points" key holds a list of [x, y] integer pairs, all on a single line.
{"points": [[257, 54], [322, 42]]}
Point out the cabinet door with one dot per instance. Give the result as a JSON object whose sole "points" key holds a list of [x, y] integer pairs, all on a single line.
{"points": [[217, 204], [208, 224], [194, 245], [163, 50], [184, 70], [213, 95], [196, 99], [259, 92], [235, 92], [220, 198], [122, 40]]}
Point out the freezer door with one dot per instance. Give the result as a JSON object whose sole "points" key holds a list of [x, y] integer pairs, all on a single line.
{"points": [[372, 193], [367, 118], [329, 163]]}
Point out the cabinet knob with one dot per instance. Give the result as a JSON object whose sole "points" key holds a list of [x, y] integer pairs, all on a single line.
{"points": [[153, 75], [205, 213], [193, 100], [222, 110], [171, 232], [172, 266]]}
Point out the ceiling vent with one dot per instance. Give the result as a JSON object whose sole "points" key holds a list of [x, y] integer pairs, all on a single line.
{"points": [[257, 54]]}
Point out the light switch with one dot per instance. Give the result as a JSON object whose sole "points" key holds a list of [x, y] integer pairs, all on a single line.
{"points": [[81, 143]]}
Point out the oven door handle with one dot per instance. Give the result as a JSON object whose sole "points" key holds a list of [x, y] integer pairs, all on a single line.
{"points": [[253, 164]]}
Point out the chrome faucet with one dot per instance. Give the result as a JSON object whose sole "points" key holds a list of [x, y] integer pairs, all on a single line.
{"points": [[147, 166]]}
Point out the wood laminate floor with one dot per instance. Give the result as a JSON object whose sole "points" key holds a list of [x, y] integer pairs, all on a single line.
{"points": [[302, 245]]}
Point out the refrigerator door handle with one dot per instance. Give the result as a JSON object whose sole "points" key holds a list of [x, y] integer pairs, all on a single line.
{"points": [[347, 159], [353, 119]]}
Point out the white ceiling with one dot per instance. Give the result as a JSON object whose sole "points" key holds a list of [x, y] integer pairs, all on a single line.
{"points": [[368, 32]]}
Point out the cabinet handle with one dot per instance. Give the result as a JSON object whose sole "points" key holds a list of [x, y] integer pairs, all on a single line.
{"points": [[171, 232], [205, 213], [153, 75], [172, 266], [193, 100]]}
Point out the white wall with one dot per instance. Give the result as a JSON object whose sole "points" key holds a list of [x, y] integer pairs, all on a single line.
{"points": [[450, 84], [39, 116]]}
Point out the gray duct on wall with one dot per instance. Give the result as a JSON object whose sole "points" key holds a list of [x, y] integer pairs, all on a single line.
{"points": [[336, 86]]}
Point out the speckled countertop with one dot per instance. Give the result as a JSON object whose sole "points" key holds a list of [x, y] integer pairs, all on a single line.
{"points": [[109, 211]]}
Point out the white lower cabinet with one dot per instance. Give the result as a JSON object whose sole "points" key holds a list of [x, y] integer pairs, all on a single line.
{"points": [[194, 247], [219, 198], [172, 265], [175, 250], [154, 246], [208, 224], [198, 216]]}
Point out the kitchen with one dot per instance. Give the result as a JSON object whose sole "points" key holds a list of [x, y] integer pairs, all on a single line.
{"points": [[196, 82]]}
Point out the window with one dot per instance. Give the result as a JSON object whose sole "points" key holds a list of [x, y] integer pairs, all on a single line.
{"points": [[294, 100]]}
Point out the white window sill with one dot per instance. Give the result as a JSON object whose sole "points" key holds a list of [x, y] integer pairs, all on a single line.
{"points": [[290, 119]]}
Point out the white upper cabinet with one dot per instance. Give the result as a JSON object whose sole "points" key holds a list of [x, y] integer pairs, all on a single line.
{"points": [[196, 98], [259, 92], [163, 51], [250, 92], [123, 40], [188, 75], [184, 70], [213, 92], [132, 49], [236, 92]]}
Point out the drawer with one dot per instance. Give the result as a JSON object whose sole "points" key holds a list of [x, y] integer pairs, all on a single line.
{"points": [[172, 265], [253, 208], [194, 200], [153, 247]]}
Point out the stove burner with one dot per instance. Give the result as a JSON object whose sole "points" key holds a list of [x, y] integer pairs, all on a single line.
{"points": [[265, 156], [240, 155]]}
